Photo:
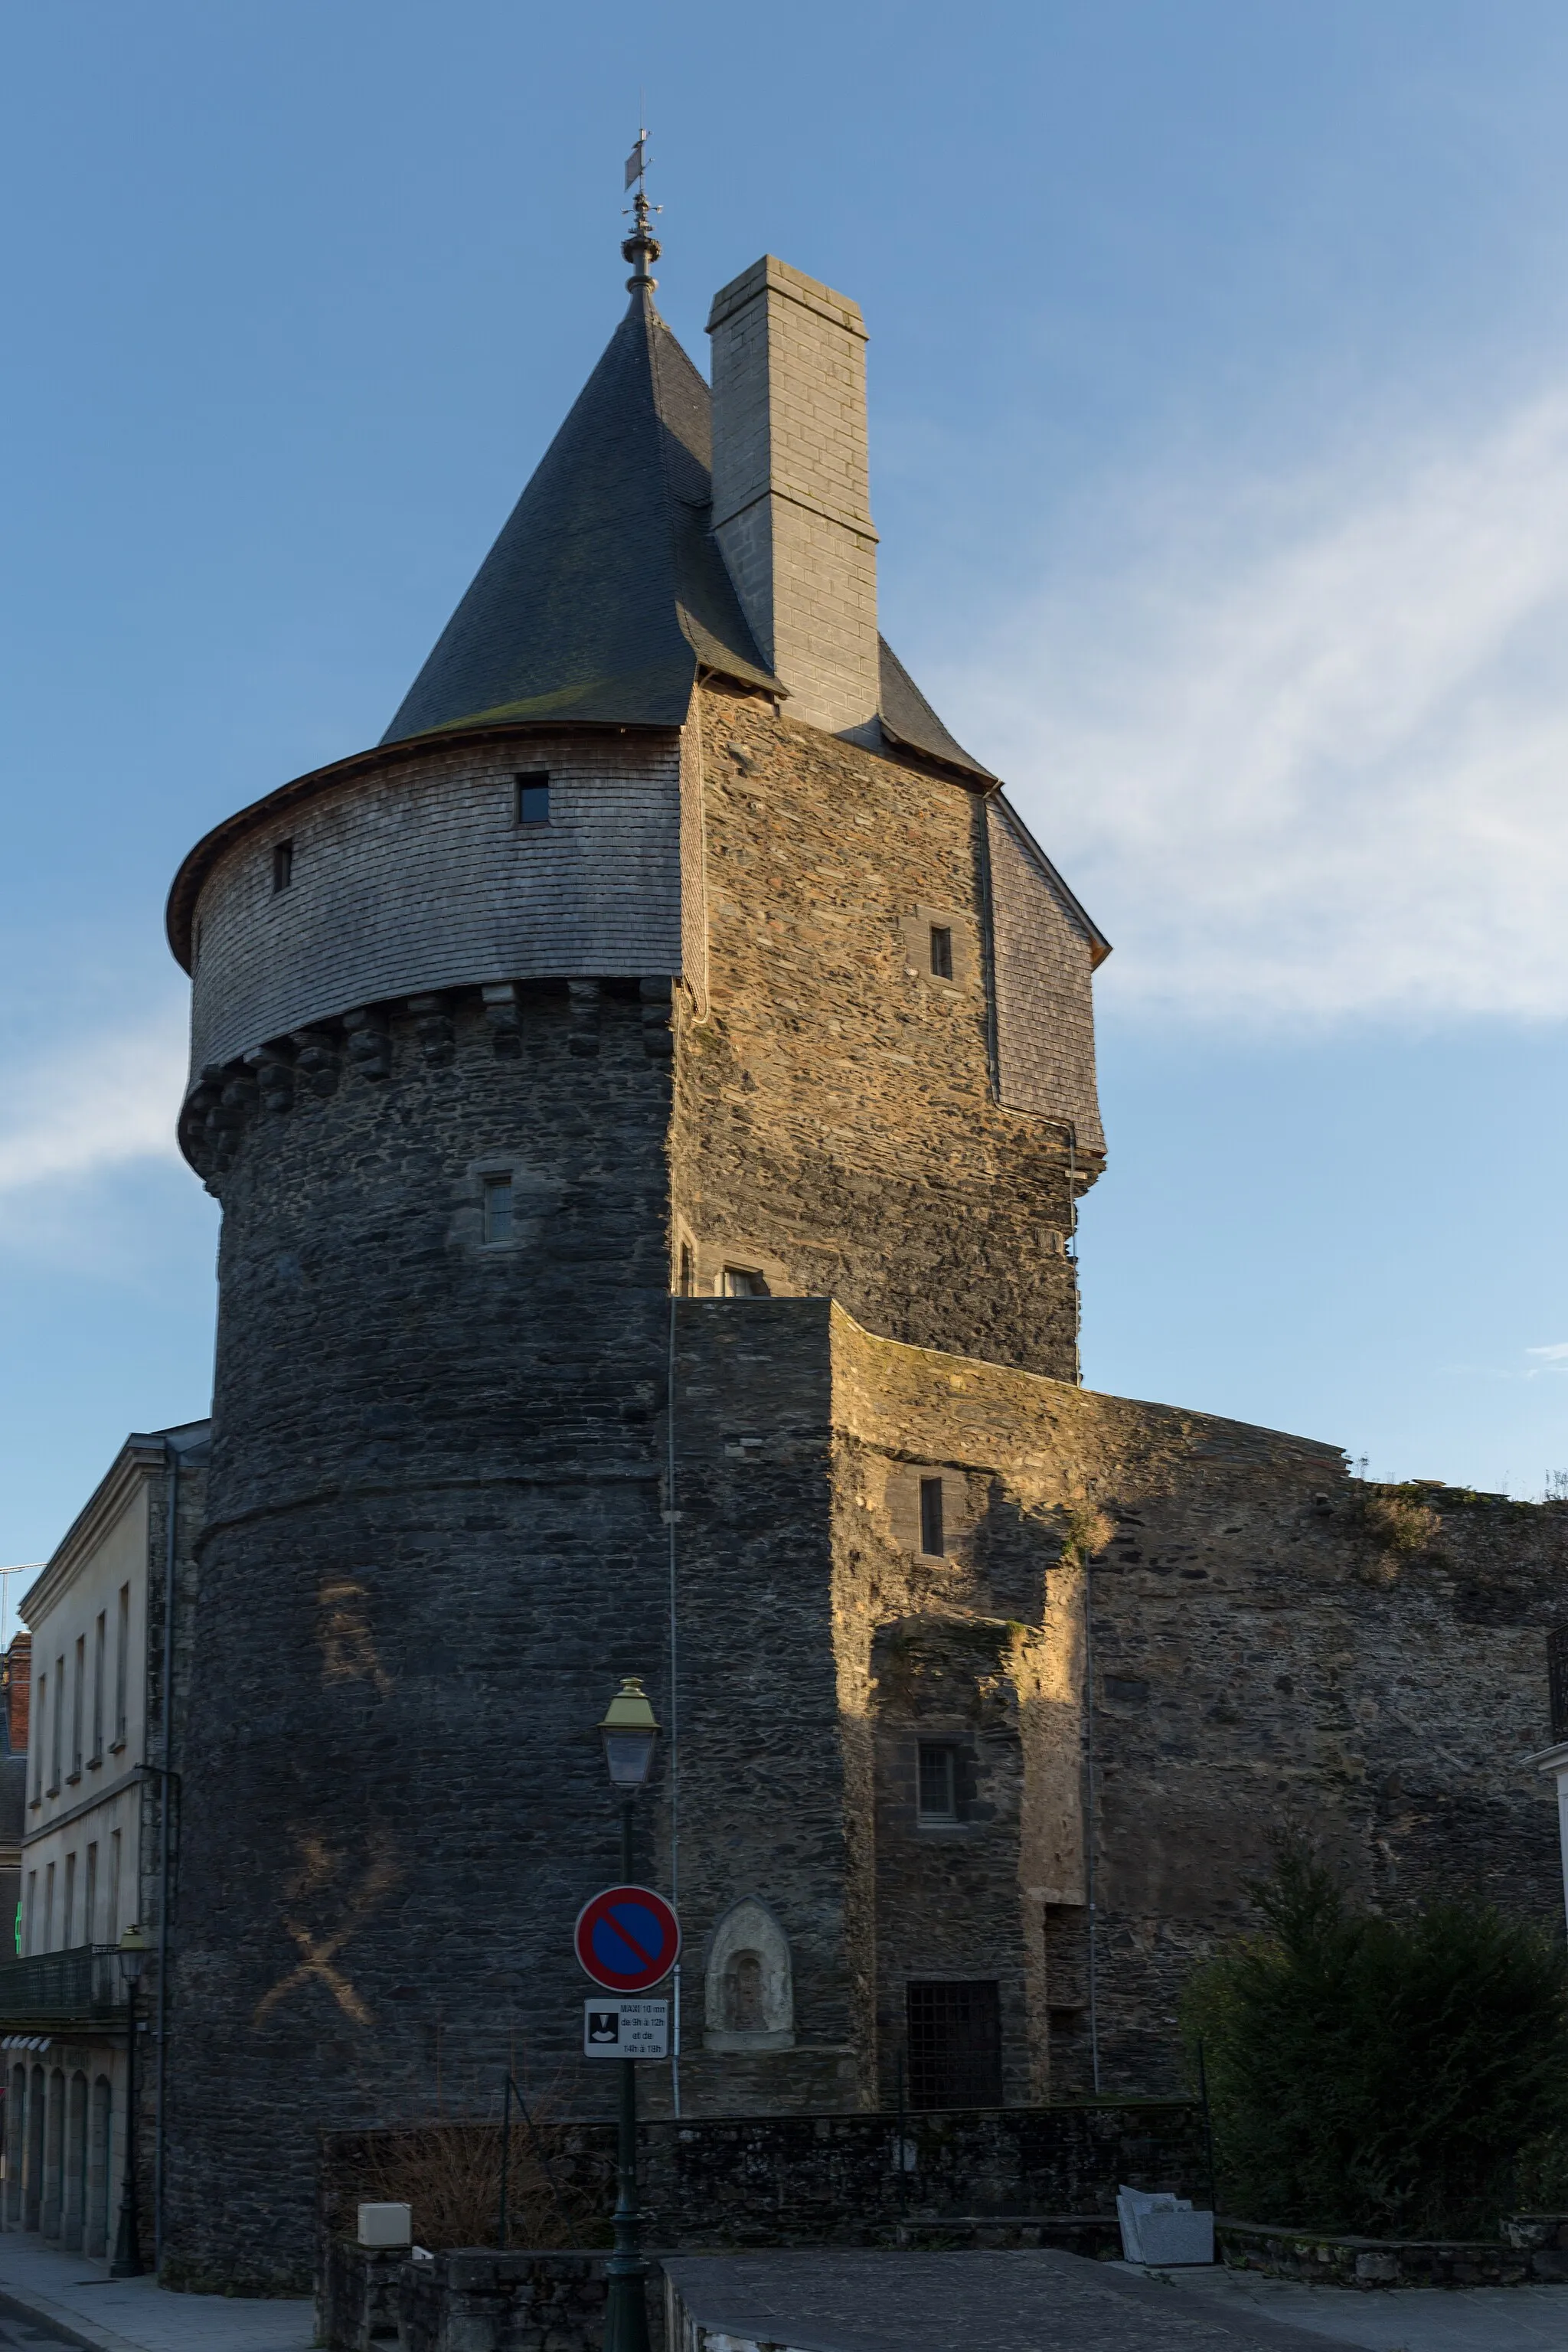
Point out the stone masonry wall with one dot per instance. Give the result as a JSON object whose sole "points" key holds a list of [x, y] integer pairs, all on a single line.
{"points": [[434, 1544], [835, 1122], [418, 877], [1265, 1658]]}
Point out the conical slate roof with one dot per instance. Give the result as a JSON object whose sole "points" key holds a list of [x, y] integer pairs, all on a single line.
{"points": [[604, 590], [607, 590]]}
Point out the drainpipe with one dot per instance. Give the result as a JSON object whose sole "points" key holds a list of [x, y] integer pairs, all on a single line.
{"points": [[672, 1521], [165, 1800]]}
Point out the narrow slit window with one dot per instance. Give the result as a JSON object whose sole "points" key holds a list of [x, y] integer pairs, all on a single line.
{"points": [[938, 1799], [497, 1207], [533, 800], [743, 1282], [41, 1719], [282, 866], [940, 951], [99, 1654], [932, 1538], [121, 1663], [57, 1721], [687, 1284], [78, 1692]]}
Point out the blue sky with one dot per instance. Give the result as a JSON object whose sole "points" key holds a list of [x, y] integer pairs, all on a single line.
{"points": [[1219, 381]]}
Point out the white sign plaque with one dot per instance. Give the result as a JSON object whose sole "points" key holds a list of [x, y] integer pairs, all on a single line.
{"points": [[625, 2029]]}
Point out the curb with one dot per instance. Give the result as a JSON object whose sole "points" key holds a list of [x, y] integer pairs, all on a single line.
{"points": [[69, 2325]]}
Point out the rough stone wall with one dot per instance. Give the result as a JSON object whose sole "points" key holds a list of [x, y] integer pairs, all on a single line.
{"points": [[791, 486], [1045, 997], [835, 1126], [1265, 1658], [418, 877], [434, 1544]]}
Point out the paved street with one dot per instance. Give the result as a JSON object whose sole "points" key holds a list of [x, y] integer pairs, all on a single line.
{"points": [[74, 2303], [1403, 2319]]}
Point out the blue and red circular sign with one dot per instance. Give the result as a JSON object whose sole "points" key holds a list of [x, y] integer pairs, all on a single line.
{"points": [[627, 1939]]}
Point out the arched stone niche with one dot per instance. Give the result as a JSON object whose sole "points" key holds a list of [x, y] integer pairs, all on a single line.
{"points": [[750, 1988]]}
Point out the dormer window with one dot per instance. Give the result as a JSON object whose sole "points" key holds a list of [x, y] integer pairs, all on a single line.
{"points": [[533, 798], [282, 866]]}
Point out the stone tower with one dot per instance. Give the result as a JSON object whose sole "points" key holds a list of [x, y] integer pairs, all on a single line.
{"points": [[666, 992]]}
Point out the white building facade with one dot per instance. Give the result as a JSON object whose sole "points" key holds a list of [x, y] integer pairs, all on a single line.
{"points": [[98, 1850]]}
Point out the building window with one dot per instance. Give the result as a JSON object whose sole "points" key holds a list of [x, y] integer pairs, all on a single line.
{"points": [[67, 1909], [687, 1280], [955, 2045], [90, 1898], [121, 1663], [57, 1727], [79, 1700], [741, 1281], [43, 1717], [497, 1207], [113, 1936], [30, 1919], [282, 867], [533, 800], [937, 1798], [99, 1656], [49, 1907], [932, 1539], [940, 951]]}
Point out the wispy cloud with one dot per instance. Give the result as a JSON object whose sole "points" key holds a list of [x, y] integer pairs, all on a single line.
{"points": [[1304, 750], [1555, 1354], [88, 1107]]}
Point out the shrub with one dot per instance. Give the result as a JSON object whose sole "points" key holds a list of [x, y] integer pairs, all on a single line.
{"points": [[1401, 2078]]}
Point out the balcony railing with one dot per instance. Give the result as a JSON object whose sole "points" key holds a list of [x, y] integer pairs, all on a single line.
{"points": [[50, 1990], [1557, 1674]]}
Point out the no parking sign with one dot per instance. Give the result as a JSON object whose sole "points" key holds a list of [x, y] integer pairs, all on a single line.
{"points": [[627, 1939]]}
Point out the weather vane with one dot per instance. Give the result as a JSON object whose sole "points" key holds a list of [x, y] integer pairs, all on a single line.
{"points": [[642, 246]]}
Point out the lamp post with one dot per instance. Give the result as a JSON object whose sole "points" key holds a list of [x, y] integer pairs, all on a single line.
{"points": [[630, 1734], [128, 2263]]}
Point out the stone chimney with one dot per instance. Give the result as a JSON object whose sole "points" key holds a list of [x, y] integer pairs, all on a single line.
{"points": [[791, 496]]}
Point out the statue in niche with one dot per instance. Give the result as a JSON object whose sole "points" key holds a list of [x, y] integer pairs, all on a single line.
{"points": [[749, 1986]]}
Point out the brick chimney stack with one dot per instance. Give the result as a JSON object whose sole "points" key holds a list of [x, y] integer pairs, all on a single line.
{"points": [[791, 490]]}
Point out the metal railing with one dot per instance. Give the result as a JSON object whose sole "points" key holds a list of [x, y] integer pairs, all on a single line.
{"points": [[79, 1986], [1557, 1674]]}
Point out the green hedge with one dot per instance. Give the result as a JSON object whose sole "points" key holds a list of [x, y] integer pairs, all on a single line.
{"points": [[1404, 2078]]}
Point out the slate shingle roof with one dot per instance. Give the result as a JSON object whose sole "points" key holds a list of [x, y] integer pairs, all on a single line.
{"points": [[605, 590]]}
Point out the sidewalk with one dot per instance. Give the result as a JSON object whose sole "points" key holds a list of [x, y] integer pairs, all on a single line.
{"points": [[69, 2298], [1391, 2319]]}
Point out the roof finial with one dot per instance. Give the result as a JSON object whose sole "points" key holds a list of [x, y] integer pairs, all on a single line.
{"points": [[642, 246]]}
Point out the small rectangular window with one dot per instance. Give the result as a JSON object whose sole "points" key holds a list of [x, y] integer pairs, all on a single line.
{"points": [[49, 1906], [533, 800], [932, 1537], [282, 864], [938, 1799], [940, 953], [90, 1898], [42, 1717], [57, 1722], [742, 1281], [113, 1934], [497, 1207], [68, 1912]]}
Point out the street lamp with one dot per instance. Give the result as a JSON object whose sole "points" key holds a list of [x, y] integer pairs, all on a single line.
{"points": [[134, 1948], [630, 1734]]}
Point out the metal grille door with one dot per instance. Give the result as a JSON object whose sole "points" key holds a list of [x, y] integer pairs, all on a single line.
{"points": [[955, 2045]]}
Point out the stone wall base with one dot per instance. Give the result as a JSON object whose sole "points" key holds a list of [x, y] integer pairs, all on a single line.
{"points": [[1533, 2247]]}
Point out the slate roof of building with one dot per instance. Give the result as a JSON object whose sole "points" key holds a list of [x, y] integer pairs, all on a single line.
{"points": [[605, 593]]}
